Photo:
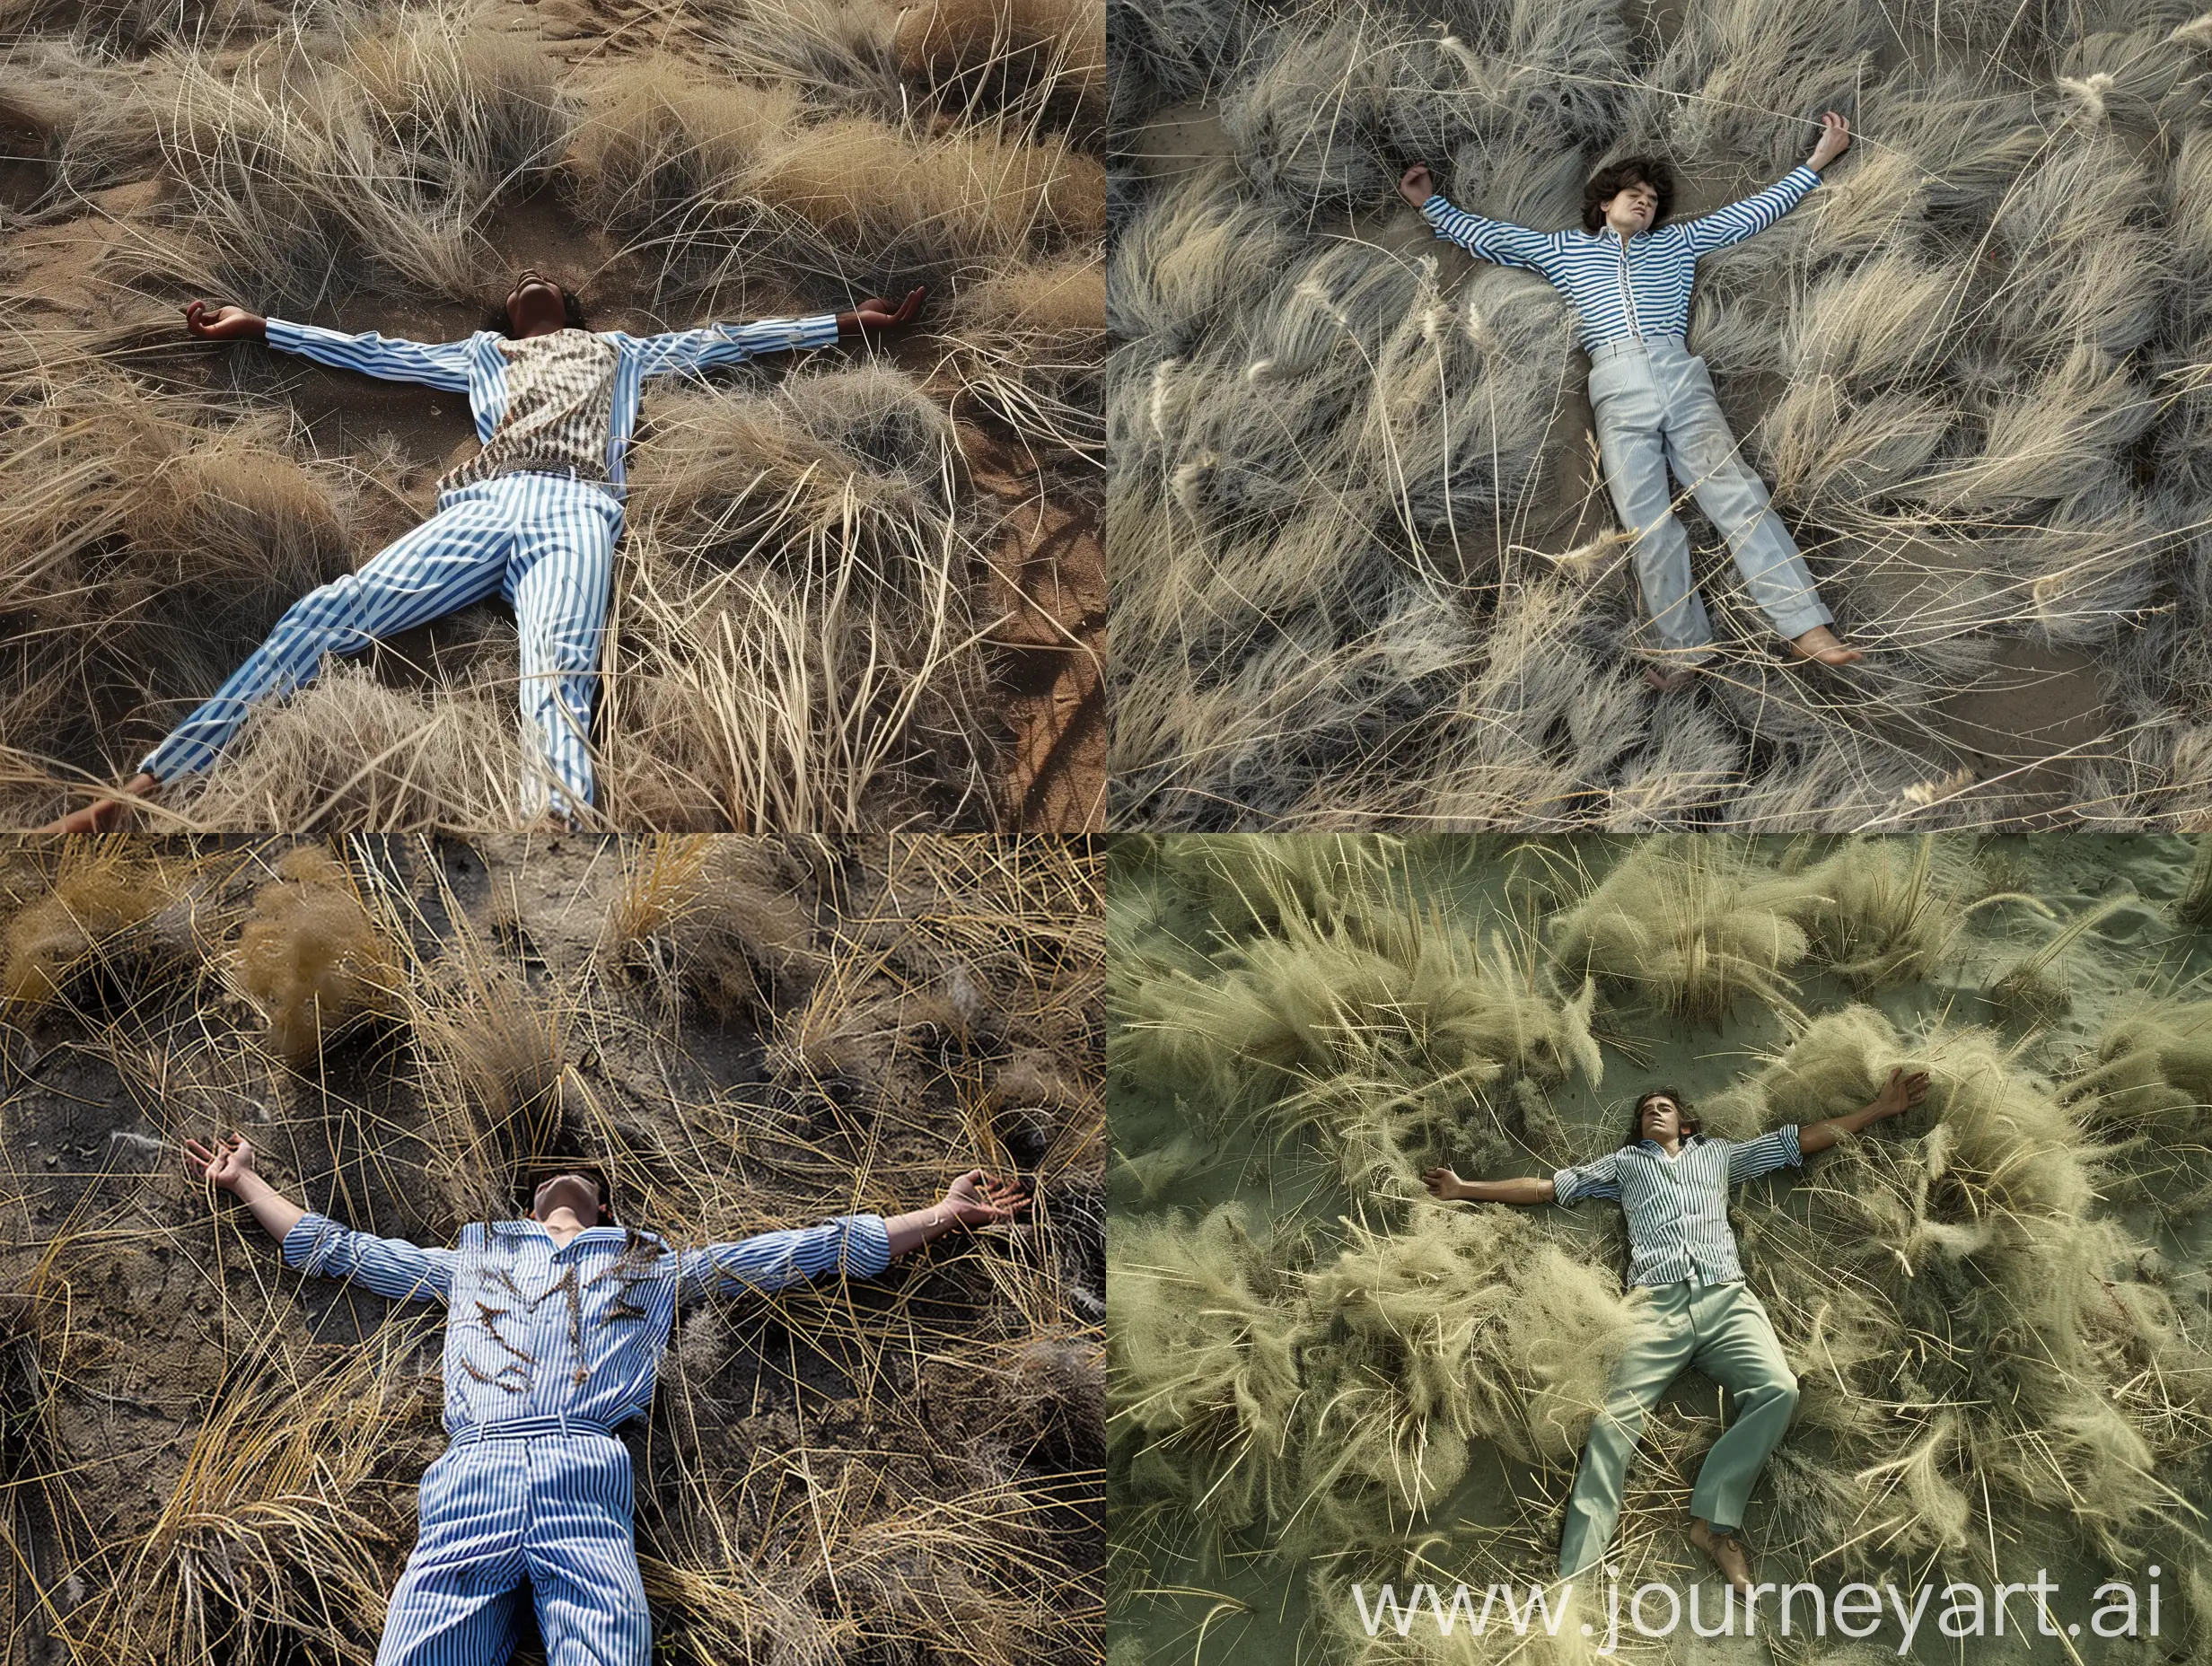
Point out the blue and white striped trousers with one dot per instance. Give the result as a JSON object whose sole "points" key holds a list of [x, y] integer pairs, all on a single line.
{"points": [[543, 541], [541, 1501]]}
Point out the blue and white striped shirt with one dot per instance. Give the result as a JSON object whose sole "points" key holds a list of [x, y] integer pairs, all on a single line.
{"points": [[478, 367], [539, 1329], [1678, 1206], [1617, 289]]}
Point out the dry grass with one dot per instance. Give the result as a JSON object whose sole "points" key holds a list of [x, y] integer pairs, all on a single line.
{"points": [[805, 651], [313, 957], [836, 1471], [1352, 469]]}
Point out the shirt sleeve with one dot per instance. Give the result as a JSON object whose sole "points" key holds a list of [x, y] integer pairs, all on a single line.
{"points": [[858, 1245], [726, 344], [1495, 241], [391, 1267], [1777, 1148], [1753, 215], [1590, 1179], [434, 365]]}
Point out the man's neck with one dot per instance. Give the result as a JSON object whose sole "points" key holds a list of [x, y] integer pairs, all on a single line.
{"points": [[563, 1224]]}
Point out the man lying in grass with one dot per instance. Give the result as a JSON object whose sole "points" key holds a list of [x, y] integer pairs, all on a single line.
{"points": [[1628, 279], [557, 1327], [533, 517], [1672, 1183]]}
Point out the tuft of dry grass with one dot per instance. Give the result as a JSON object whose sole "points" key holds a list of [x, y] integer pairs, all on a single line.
{"points": [[89, 928], [1032, 348], [724, 923], [313, 958]]}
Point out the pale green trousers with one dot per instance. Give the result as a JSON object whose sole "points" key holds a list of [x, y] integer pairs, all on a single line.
{"points": [[1723, 1331]]}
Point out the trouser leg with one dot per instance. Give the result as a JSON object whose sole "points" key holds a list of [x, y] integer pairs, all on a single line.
{"points": [[581, 1556], [1627, 404], [1652, 1362], [561, 572], [455, 1602], [1738, 1349], [449, 560], [1711, 465]]}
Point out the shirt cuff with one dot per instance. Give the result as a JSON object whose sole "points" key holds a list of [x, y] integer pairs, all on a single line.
{"points": [[285, 338], [1562, 1183], [867, 1250], [1436, 203], [308, 1240], [1796, 1158], [1811, 175], [818, 329]]}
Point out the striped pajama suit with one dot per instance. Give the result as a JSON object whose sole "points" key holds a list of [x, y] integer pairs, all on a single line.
{"points": [[1687, 1281], [534, 518], [1654, 402], [547, 1349]]}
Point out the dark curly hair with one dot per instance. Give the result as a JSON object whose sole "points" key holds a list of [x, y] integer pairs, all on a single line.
{"points": [[1608, 181], [1691, 1124], [572, 309]]}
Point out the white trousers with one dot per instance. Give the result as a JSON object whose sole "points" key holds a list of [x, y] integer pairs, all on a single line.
{"points": [[1654, 406], [545, 542]]}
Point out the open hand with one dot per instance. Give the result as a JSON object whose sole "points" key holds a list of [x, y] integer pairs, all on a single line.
{"points": [[224, 1163], [1835, 139], [1901, 1093], [225, 323], [978, 1199], [1442, 1183], [1415, 184]]}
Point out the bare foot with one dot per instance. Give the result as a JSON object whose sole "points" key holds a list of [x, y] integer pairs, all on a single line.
{"points": [[1727, 1553], [1821, 644], [102, 814], [1668, 678]]}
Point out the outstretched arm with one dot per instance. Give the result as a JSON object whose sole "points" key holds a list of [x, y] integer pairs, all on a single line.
{"points": [[682, 350], [1899, 1094], [1761, 210], [1495, 241], [858, 1245], [434, 365], [1447, 1187], [391, 1267]]}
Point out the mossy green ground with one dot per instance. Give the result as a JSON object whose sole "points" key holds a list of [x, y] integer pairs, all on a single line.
{"points": [[1944, 1237]]}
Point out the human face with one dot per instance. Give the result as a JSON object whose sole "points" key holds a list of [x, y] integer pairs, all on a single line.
{"points": [[1631, 210], [577, 1193], [1663, 1119], [536, 305]]}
